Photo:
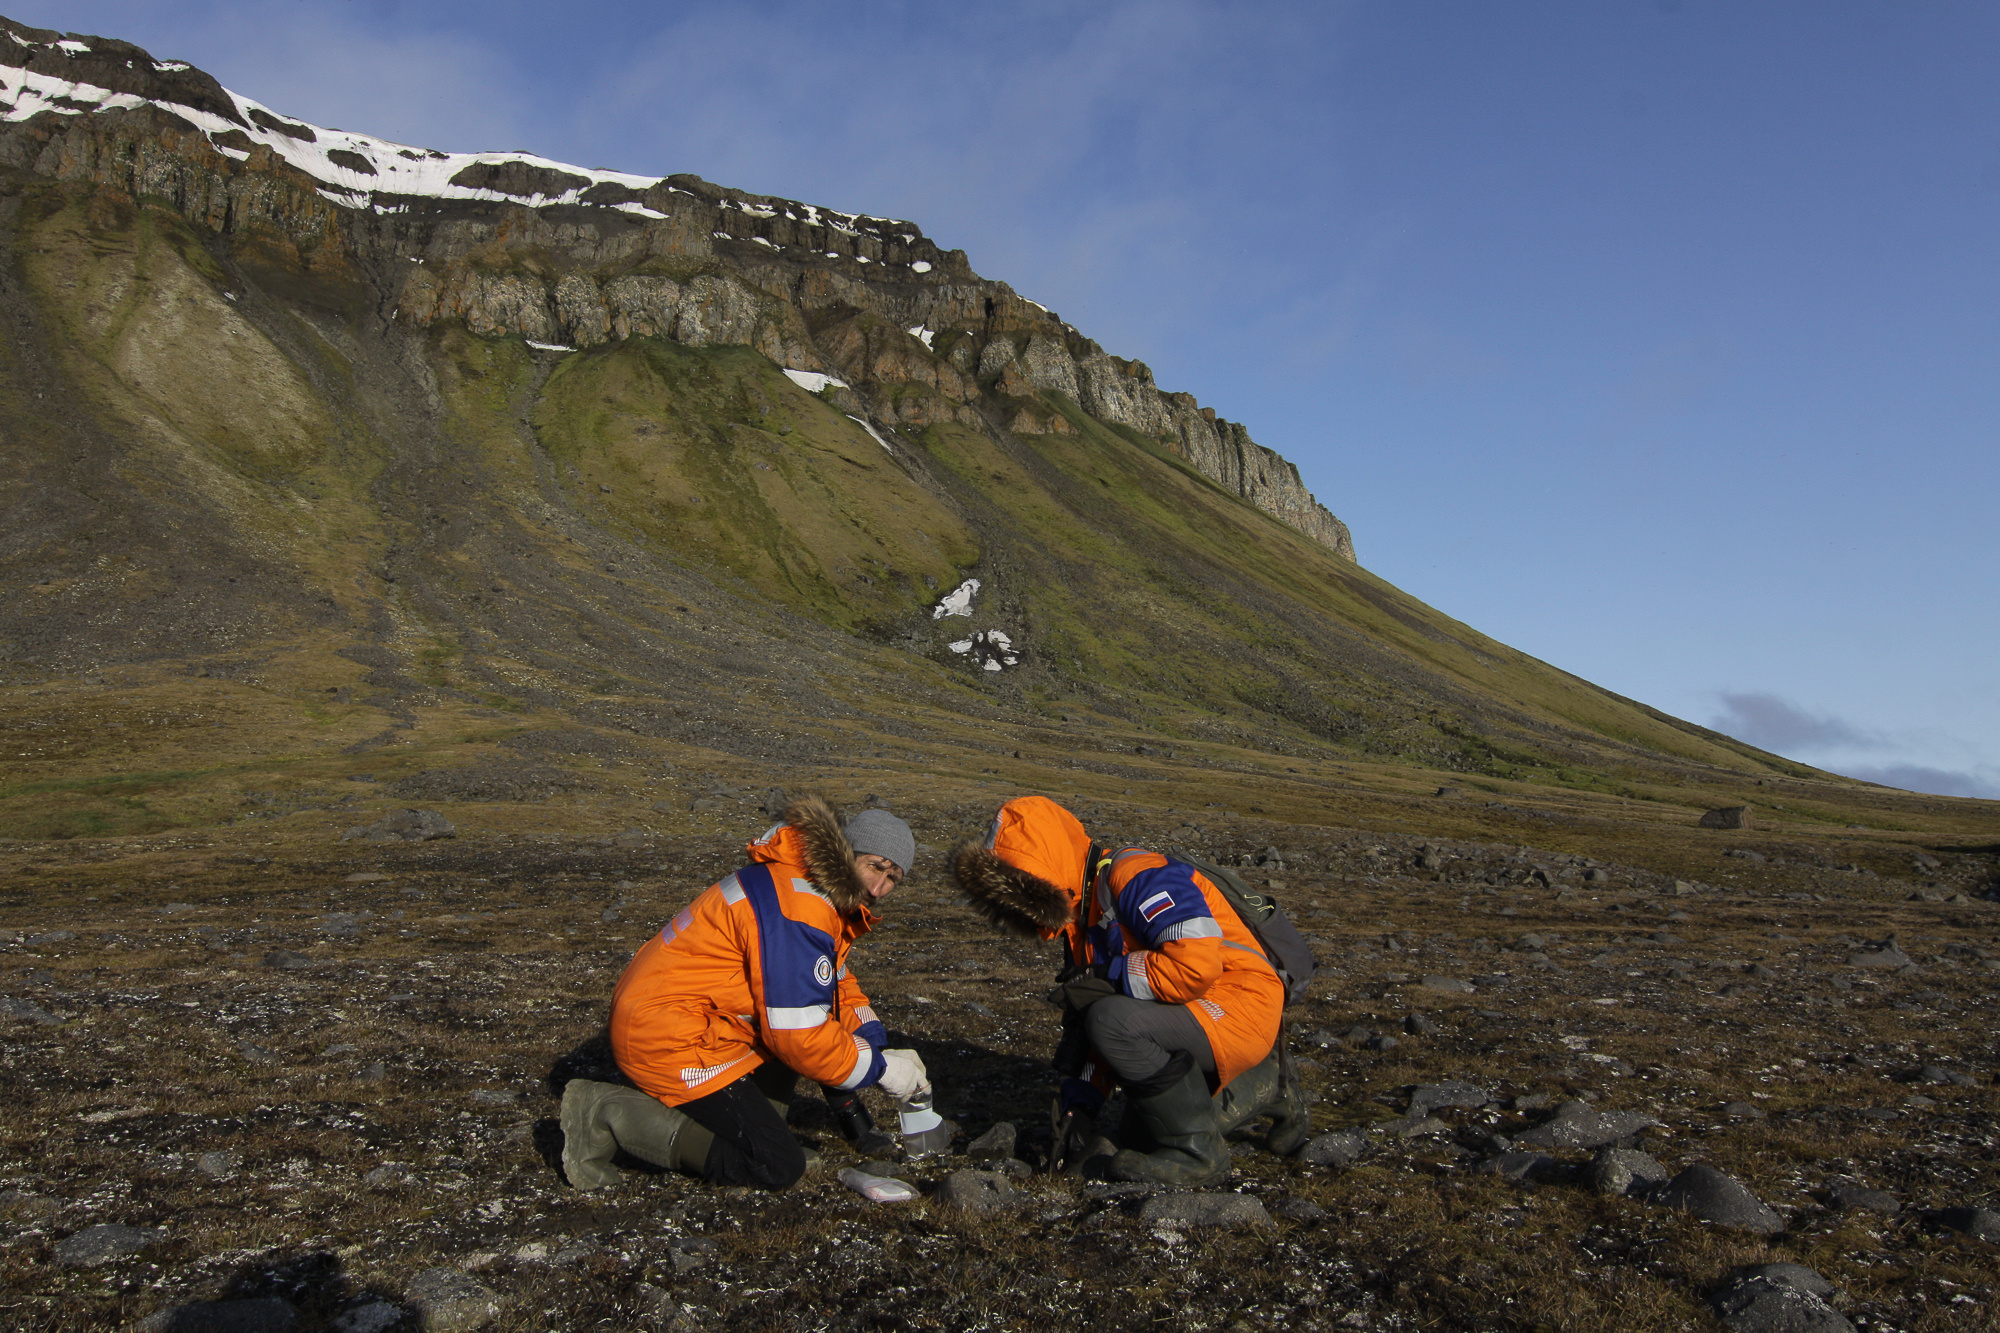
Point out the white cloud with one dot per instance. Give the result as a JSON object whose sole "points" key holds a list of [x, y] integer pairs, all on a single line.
{"points": [[1911, 760]]}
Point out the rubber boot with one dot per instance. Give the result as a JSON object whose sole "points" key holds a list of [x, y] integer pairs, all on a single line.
{"points": [[1263, 1090], [600, 1118], [1175, 1108]]}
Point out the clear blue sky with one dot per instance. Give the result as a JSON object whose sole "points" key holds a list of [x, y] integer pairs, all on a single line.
{"points": [[1658, 338]]}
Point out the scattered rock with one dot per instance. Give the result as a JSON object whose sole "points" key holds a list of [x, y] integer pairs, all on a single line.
{"points": [[219, 1165], [1626, 1172], [387, 1176], [104, 1244], [1888, 956], [996, 1144], [495, 1096], [1938, 1074], [1297, 1210], [449, 1300], [1778, 1298], [50, 937], [1340, 1148], [974, 1191], [27, 1010], [610, 916], [1450, 985], [1204, 1210], [691, 1252], [1429, 1097], [1518, 1165], [264, 1314], [1856, 1198], [287, 959], [1729, 816], [1743, 1110], [1715, 1197], [655, 1302], [1533, 1101], [1579, 1125], [1416, 1025], [403, 826], [1978, 1223], [371, 1316]]}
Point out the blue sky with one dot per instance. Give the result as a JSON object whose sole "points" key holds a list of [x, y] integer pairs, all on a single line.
{"points": [[1659, 339]]}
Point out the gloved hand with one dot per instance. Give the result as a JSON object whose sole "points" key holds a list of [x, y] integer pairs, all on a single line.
{"points": [[1082, 985], [903, 1074], [1073, 1126]]}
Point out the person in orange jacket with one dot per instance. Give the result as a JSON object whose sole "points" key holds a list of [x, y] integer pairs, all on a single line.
{"points": [[744, 990], [1167, 990]]}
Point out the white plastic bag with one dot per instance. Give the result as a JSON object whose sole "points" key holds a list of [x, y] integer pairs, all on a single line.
{"points": [[876, 1189]]}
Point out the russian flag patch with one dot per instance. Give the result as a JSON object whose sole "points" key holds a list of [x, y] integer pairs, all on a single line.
{"points": [[1155, 905]]}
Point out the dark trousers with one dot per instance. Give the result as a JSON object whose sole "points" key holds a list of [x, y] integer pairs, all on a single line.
{"points": [[752, 1145], [1138, 1037]]}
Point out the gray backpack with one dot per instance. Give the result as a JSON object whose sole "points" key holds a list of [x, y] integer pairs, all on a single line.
{"points": [[1284, 948]]}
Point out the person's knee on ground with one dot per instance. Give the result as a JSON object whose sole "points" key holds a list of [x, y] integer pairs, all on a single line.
{"points": [[753, 1145], [600, 1118]]}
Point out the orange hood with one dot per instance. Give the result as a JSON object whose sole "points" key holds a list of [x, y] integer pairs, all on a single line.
{"points": [[1028, 877]]}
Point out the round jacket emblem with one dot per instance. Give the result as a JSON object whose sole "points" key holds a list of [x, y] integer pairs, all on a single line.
{"points": [[823, 970]]}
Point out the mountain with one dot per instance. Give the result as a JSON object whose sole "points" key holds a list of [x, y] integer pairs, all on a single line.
{"points": [[320, 446]]}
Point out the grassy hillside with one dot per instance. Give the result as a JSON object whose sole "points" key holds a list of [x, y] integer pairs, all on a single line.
{"points": [[264, 540]]}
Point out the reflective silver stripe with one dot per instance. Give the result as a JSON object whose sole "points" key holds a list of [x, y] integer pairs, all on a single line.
{"points": [[1195, 928], [865, 1014], [732, 892], [805, 1016], [842, 974], [864, 1055], [1136, 984], [805, 886], [695, 1076], [1214, 1010]]}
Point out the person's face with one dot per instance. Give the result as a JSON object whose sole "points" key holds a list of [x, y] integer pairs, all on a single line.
{"points": [[879, 875]]}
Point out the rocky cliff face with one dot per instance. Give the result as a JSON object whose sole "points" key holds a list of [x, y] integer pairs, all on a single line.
{"points": [[509, 244]]}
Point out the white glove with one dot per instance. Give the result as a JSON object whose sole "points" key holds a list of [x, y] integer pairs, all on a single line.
{"points": [[903, 1074]]}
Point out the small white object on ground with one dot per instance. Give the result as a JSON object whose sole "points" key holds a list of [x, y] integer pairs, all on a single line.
{"points": [[876, 1189]]}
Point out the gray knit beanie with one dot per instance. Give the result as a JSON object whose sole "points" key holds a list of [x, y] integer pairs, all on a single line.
{"points": [[879, 833]]}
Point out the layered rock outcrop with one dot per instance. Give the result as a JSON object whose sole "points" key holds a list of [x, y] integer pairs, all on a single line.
{"points": [[513, 245]]}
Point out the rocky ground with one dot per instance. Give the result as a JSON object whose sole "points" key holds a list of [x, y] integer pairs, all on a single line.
{"points": [[313, 1081]]}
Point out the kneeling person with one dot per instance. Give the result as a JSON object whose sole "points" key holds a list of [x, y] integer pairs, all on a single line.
{"points": [[746, 989], [1168, 991]]}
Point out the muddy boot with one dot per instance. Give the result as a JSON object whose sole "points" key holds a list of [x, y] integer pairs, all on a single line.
{"points": [[1264, 1090], [1174, 1107], [1247, 1096], [600, 1118]]}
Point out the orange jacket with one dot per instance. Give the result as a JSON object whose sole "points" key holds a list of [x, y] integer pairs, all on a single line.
{"points": [[1163, 930], [1169, 934], [754, 969]]}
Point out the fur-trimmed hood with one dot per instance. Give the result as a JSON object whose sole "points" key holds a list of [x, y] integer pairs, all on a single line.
{"points": [[808, 834], [1028, 877]]}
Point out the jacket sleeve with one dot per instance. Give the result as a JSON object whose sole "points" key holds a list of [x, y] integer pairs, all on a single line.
{"points": [[1182, 955], [794, 987], [856, 1014]]}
